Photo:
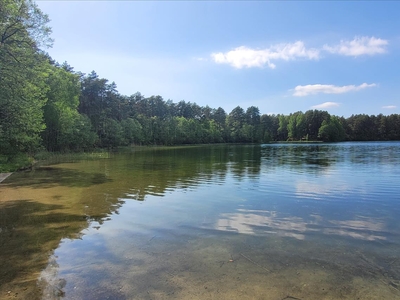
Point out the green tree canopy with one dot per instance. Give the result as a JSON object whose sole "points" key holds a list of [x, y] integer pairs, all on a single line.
{"points": [[332, 130], [23, 71]]}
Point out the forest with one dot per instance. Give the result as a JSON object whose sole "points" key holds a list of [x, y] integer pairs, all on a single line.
{"points": [[45, 105]]}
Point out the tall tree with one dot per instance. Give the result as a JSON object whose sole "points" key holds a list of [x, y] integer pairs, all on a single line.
{"points": [[253, 127], [283, 127], [60, 110], [23, 29], [313, 121], [296, 126], [332, 130], [269, 127], [235, 122]]}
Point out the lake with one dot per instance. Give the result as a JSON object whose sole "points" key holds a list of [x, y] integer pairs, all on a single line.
{"points": [[276, 221]]}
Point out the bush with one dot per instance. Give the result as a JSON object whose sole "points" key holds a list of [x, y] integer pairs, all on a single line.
{"points": [[16, 162]]}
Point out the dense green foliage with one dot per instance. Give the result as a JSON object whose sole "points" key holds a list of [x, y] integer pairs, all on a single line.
{"points": [[44, 105], [22, 75]]}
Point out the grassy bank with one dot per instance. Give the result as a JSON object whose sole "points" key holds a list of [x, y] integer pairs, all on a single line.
{"points": [[15, 162], [20, 162], [48, 158], [24, 161], [295, 142]]}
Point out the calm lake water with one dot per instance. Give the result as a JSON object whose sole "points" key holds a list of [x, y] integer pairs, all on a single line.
{"points": [[280, 221]]}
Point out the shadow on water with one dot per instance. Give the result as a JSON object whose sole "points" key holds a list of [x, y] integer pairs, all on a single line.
{"points": [[45, 177], [28, 232], [156, 172], [307, 158], [38, 210]]}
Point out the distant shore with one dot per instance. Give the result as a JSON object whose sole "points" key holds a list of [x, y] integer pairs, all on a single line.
{"points": [[294, 142]]}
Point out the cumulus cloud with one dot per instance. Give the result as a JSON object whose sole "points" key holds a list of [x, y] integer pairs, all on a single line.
{"points": [[325, 105], [389, 106], [312, 89], [359, 46], [244, 57]]}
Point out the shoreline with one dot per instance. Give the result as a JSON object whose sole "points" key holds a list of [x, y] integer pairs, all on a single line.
{"points": [[3, 176]]}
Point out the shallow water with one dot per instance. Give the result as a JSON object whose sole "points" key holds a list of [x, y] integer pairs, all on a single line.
{"points": [[282, 221]]}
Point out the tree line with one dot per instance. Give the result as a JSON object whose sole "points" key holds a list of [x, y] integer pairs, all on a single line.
{"points": [[47, 105]]}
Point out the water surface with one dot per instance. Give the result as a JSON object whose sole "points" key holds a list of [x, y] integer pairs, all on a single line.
{"points": [[281, 221]]}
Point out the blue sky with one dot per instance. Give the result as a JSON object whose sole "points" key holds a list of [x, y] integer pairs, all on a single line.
{"points": [[282, 56]]}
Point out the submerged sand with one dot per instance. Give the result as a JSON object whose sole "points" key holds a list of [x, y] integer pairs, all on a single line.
{"points": [[55, 245]]}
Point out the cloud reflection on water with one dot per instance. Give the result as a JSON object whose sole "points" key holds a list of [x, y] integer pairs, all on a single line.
{"points": [[262, 222], [319, 190]]}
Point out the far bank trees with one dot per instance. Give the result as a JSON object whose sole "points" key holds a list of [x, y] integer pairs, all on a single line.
{"points": [[46, 105]]}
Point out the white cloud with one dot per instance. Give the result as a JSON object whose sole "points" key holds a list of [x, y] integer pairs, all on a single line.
{"points": [[312, 89], [359, 46], [325, 105], [246, 57], [389, 106]]}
